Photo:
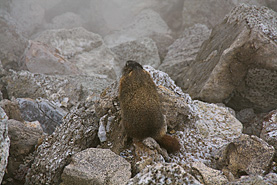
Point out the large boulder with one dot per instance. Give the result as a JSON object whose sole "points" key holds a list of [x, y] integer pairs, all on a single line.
{"points": [[11, 108], [237, 64], [67, 20], [12, 43], [107, 16], [182, 53], [49, 115], [4, 143], [211, 12], [246, 155], [63, 91], [145, 24], [142, 50], [84, 49], [96, 166], [201, 127], [77, 132], [23, 137], [40, 58], [31, 20]]}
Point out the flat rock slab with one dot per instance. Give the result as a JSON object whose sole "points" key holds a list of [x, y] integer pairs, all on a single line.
{"points": [[96, 166]]}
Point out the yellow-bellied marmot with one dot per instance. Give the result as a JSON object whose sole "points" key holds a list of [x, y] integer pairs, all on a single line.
{"points": [[141, 107]]}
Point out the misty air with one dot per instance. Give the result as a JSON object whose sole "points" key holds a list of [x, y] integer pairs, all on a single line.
{"points": [[138, 92]]}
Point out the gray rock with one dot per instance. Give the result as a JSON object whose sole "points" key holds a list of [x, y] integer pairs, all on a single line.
{"points": [[23, 139], [271, 4], [269, 129], [269, 179], [40, 58], [83, 48], [31, 20], [245, 115], [246, 155], [254, 126], [11, 108], [12, 43], [232, 61], [77, 132], [202, 128], [4, 143], [182, 53], [67, 20], [96, 166], [107, 16], [63, 91], [211, 12], [206, 175], [142, 50], [43, 111], [164, 173], [162, 42], [144, 24]]}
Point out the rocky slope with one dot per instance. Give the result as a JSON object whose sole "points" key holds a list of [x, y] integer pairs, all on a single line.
{"points": [[214, 64]]}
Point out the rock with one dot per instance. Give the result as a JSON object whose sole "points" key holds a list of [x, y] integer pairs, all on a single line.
{"points": [[162, 42], [4, 143], [269, 129], [67, 20], [164, 173], [77, 132], [28, 21], [246, 155], [108, 16], [206, 175], [23, 139], [12, 43], [12, 110], [212, 12], [40, 58], [63, 91], [43, 111], [232, 61], [269, 179], [182, 53], [271, 4], [142, 50], [201, 127], [254, 126], [96, 166], [144, 24], [83, 48], [246, 115]]}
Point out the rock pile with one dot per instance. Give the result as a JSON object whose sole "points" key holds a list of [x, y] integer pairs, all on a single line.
{"points": [[215, 73]]}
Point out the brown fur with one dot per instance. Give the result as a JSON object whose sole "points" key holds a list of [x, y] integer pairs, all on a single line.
{"points": [[141, 107]]}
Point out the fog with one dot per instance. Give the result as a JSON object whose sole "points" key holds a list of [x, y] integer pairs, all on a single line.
{"points": [[98, 16]]}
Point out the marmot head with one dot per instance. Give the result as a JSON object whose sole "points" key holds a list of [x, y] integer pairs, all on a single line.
{"points": [[130, 66]]}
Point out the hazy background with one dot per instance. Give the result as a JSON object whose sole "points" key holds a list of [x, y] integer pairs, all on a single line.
{"points": [[99, 16]]}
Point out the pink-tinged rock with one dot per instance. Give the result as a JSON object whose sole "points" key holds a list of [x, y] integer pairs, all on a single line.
{"points": [[41, 58]]}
